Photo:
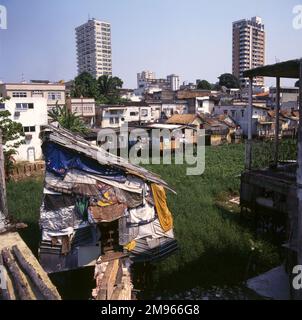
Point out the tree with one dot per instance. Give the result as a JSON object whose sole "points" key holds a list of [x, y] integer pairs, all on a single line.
{"points": [[12, 138], [109, 89], [109, 85], [104, 90], [85, 85], [204, 85], [228, 80], [67, 119]]}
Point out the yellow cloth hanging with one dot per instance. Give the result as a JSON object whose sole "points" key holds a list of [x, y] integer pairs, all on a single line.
{"points": [[163, 212], [130, 246]]}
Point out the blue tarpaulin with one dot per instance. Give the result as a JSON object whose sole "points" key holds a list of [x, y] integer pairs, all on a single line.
{"points": [[59, 160]]}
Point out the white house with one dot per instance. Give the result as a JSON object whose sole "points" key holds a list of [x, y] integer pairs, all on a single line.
{"points": [[115, 116], [31, 112], [53, 92], [204, 105], [239, 114]]}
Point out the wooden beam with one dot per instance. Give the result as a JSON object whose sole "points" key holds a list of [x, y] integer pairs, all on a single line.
{"points": [[298, 295], [3, 200], [4, 293], [33, 275], [19, 284], [277, 123], [248, 152]]}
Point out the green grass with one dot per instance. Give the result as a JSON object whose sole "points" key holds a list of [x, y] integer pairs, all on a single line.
{"points": [[24, 200], [215, 246]]}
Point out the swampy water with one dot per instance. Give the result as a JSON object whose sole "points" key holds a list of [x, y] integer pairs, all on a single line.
{"points": [[77, 285]]}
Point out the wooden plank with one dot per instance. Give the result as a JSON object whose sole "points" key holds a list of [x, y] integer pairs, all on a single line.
{"points": [[112, 278], [277, 123], [102, 295]]}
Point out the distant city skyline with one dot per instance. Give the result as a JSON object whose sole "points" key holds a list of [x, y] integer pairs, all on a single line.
{"points": [[191, 39]]}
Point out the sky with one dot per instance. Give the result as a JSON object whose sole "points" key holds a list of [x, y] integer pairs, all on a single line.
{"points": [[191, 38]]}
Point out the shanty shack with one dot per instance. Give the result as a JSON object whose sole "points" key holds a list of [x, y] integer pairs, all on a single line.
{"points": [[98, 207]]}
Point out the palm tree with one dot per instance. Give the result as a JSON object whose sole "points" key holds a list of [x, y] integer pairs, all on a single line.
{"points": [[109, 85], [67, 119]]}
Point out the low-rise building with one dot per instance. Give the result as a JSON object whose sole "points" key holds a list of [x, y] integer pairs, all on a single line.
{"points": [[147, 82], [239, 114], [289, 97], [54, 93], [31, 112], [83, 107], [114, 116]]}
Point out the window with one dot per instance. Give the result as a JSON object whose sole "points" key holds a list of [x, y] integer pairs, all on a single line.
{"points": [[144, 112], [30, 106], [2, 106], [37, 93], [242, 113], [133, 114], [114, 120], [19, 94], [29, 129], [21, 106], [54, 96]]}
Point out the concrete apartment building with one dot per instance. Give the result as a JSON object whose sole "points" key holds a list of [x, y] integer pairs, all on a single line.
{"points": [[94, 52], [148, 83], [31, 112], [248, 48], [111, 116], [53, 92], [83, 107], [173, 79], [289, 97]]}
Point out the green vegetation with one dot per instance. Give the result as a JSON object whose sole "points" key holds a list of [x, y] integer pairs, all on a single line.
{"points": [[204, 85], [12, 138], [105, 89], [67, 119], [216, 247], [228, 80], [24, 200]]}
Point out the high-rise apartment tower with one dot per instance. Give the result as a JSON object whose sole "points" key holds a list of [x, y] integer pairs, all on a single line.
{"points": [[94, 53], [248, 48]]}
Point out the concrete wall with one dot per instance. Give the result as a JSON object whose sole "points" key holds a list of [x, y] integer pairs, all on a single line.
{"points": [[36, 117]]}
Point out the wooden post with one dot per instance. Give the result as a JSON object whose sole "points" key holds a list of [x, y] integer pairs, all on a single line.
{"points": [[277, 122], [298, 295], [248, 155], [3, 201]]}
